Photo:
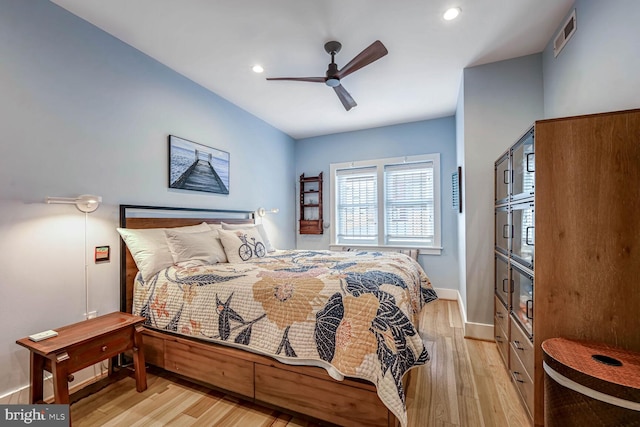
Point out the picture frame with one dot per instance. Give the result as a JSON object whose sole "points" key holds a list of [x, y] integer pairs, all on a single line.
{"points": [[456, 190], [102, 254], [196, 167]]}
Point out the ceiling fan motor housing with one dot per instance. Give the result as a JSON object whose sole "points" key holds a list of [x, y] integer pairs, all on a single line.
{"points": [[332, 80], [332, 47]]}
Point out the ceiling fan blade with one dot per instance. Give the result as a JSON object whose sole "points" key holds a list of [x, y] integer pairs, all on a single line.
{"points": [[345, 98], [374, 52], [301, 79]]}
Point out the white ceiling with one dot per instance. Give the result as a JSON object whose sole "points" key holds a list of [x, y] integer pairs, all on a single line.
{"points": [[215, 43]]}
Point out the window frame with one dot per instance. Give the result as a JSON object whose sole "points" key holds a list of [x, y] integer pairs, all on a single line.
{"points": [[379, 164]]}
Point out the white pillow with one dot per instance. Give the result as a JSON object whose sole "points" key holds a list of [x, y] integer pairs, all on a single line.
{"points": [[198, 248], [242, 245], [149, 248], [215, 228], [259, 227]]}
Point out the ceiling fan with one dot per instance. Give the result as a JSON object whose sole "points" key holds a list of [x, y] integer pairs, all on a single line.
{"points": [[333, 76]]}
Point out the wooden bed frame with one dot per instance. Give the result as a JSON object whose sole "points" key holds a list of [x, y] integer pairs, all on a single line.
{"points": [[302, 390]]}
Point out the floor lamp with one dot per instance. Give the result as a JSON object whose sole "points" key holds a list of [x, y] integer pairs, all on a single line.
{"points": [[86, 203]]}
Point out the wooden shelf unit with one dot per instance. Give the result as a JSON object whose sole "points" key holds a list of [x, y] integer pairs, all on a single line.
{"points": [[586, 237], [311, 204]]}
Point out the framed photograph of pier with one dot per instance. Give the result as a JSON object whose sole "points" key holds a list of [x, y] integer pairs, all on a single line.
{"points": [[196, 167]]}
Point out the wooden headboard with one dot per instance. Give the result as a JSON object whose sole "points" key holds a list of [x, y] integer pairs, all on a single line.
{"points": [[133, 216]]}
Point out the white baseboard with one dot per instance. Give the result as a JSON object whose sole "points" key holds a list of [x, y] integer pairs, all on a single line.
{"points": [[478, 331], [21, 395], [448, 294]]}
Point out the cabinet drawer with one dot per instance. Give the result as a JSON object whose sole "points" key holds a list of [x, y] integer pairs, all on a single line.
{"points": [[502, 340], [501, 315], [284, 388], [522, 347], [522, 380], [200, 361], [98, 349]]}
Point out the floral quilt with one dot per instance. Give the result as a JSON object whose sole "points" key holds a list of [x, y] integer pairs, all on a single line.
{"points": [[351, 312]]}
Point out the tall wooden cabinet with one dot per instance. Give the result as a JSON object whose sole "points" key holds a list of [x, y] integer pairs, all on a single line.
{"points": [[514, 260], [585, 211], [311, 204]]}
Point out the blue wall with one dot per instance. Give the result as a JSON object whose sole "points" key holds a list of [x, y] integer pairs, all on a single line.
{"points": [[314, 155], [599, 68], [82, 112], [500, 101]]}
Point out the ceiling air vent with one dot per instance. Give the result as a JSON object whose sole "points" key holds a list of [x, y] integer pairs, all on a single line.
{"points": [[565, 34]]}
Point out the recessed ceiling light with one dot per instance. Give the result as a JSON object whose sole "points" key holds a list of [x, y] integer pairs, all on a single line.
{"points": [[452, 13], [257, 69]]}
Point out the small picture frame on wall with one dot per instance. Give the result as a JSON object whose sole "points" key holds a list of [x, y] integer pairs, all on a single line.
{"points": [[196, 167], [102, 254], [456, 190]]}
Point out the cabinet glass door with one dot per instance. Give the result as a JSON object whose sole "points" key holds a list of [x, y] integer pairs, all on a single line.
{"points": [[503, 230], [523, 166], [522, 302], [502, 285], [502, 179], [523, 239]]}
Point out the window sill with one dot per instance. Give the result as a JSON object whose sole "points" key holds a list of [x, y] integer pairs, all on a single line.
{"points": [[421, 251]]}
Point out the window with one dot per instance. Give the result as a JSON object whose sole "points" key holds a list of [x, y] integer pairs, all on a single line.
{"points": [[409, 216], [357, 205], [387, 202]]}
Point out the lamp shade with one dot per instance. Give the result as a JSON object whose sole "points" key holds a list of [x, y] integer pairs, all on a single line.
{"points": [[263, 211]]}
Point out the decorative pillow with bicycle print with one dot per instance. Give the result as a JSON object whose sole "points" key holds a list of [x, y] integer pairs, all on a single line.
{"points": [[243, 244]]}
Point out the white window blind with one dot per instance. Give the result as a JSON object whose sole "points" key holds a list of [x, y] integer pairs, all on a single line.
{"points": [[357, 202], [393, 202], [409, 204]]}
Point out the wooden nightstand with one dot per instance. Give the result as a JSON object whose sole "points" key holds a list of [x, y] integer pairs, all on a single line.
{"points": [[81, 345]]}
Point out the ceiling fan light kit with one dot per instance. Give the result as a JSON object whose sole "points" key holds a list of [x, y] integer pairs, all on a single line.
{"points": [[334, 75]]}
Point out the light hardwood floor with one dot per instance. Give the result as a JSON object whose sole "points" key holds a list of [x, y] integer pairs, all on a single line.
{"points": [[464, 384]]}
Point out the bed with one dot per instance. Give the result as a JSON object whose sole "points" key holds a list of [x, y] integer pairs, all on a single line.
{"points": [[330, 335]]}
